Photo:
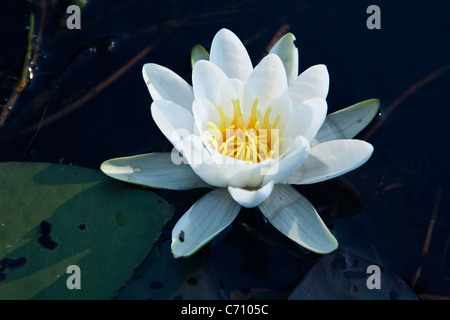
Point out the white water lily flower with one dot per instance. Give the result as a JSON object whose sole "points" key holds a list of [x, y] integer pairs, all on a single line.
{"points": [[249, 133]]}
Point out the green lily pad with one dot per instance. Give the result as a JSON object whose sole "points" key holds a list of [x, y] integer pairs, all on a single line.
{"points": [[55, 216]]}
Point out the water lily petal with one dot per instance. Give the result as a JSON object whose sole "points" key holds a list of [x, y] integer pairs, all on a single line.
{"points": [[348, 122], [164, 84], [155, 170], [295, 155], [240, 174], [207, 79], [286, 144], [331, 159], [294, 216], [230, 55], [307, 118], [198, 53], [222, 171], [250, 198], [203, 221], [268, 80], [173, 120], [237, 90], [288, 53], [311, 83], [204, 111], [202, 162], [282, 108]]}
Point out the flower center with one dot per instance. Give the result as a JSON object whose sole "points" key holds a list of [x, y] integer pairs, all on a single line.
{"points": [[252, 142]]}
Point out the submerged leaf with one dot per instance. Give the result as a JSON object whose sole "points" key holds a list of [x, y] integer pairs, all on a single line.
{"points": [[347, 276], [162, 277]]}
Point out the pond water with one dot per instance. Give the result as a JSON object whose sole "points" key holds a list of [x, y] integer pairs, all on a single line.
{"points": [[87, 102]]}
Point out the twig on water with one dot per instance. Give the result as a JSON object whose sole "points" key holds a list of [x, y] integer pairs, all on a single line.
{"points": [[427, 242], [93, 92], [402, 98]]}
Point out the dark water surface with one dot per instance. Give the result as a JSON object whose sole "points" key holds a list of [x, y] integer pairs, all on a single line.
{"points": [[87, 103]]}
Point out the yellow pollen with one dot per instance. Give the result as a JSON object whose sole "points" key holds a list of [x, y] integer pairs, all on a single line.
{"points": [[252, 142]]}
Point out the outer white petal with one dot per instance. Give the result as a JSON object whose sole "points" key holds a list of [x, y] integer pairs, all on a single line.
{"points": [[348, 122], [331, 159], [164, 84], [294, 216], [230, 55], [250, 198], [307, 118], [203, 221], [311, 83], [268, 80], [153, 170], [288, 53], [295, 155], [207, 79], [173, 120]]}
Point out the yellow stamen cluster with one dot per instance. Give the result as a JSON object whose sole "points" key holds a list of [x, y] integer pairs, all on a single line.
{"points": [[252, 142]]}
